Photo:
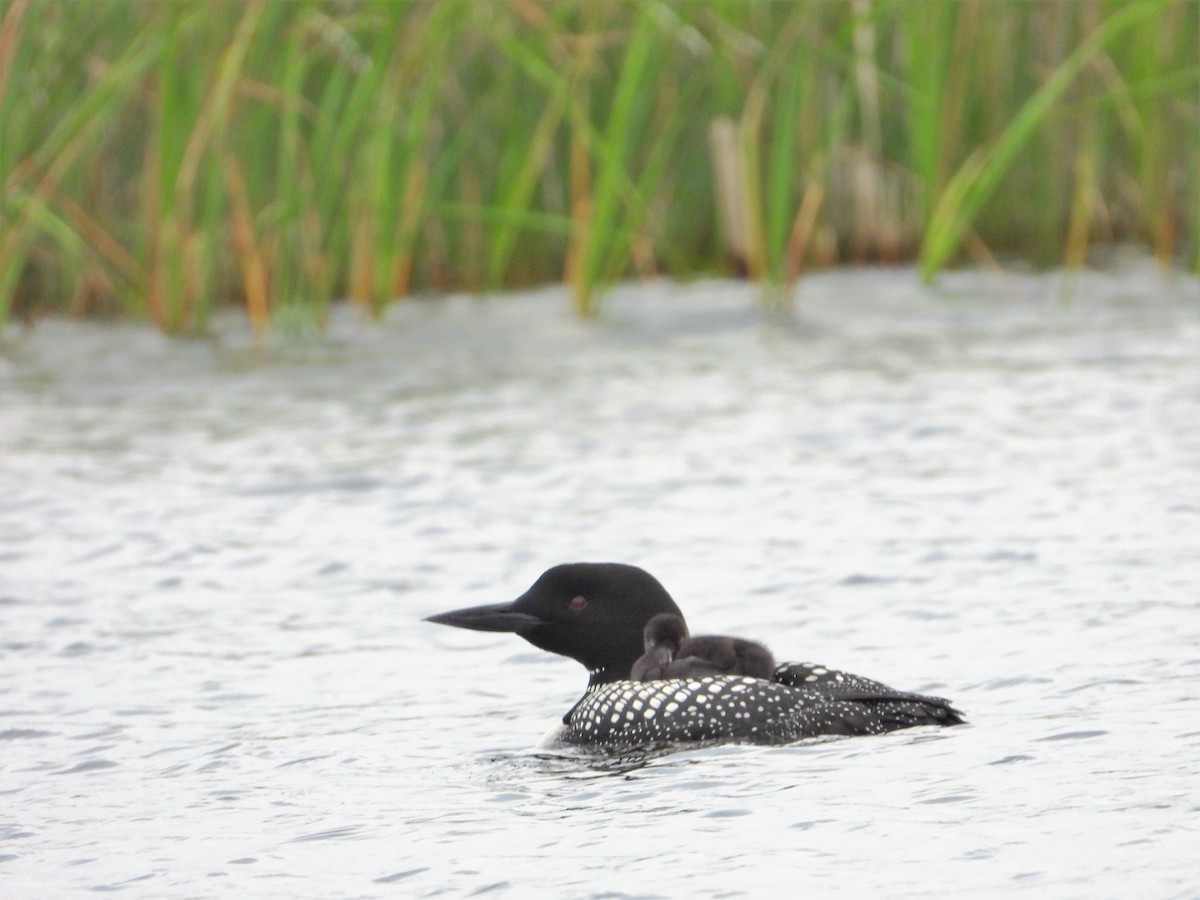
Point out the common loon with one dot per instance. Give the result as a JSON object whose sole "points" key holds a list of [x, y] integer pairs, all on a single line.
{"points": [[672, 653], [596, 613]]}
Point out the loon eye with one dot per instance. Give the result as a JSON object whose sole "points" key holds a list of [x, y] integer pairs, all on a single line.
{"points": [[579, 603]]}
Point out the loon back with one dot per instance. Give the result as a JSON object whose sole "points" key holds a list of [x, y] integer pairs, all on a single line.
{"points": [[626, 715], [597, 614]]}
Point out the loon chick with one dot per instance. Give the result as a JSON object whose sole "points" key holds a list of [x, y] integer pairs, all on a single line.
{"points": [[672, 653], [596, 613]]}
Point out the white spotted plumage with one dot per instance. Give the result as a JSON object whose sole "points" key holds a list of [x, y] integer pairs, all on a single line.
{"points": [[802, 702]]}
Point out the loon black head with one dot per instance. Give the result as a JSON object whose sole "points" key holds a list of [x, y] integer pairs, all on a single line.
{"points": [[595, 613]]}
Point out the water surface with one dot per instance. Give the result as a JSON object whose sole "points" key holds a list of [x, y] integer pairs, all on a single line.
{"points": [[214, 561]]}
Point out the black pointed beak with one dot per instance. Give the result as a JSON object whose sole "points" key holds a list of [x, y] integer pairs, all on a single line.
{"points": [[493, 617]]}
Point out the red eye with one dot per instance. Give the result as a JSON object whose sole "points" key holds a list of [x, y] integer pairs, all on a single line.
{"points": [[578, 603]]}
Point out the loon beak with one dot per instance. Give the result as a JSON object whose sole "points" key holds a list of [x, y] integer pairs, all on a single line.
{"points": [[493, 617]]}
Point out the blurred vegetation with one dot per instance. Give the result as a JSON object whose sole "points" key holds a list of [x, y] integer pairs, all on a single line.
{"points": [[162, 159]]}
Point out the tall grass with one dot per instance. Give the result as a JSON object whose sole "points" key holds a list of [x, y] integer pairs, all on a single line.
{"points": [[165, 159]]}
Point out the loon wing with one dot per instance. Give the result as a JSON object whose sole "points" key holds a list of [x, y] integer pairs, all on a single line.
{"points": [[835, 685]]}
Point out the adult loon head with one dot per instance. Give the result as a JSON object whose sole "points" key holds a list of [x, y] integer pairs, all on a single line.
{"points": [[595, 613]]}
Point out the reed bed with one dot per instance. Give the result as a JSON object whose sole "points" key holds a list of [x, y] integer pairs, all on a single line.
{"points": [[164, 159]]}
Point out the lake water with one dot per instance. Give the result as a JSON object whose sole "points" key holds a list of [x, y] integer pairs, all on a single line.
{"points": [[214, 561]]}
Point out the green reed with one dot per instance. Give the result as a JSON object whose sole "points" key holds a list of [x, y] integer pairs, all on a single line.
{"points": [[162, 160]]}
